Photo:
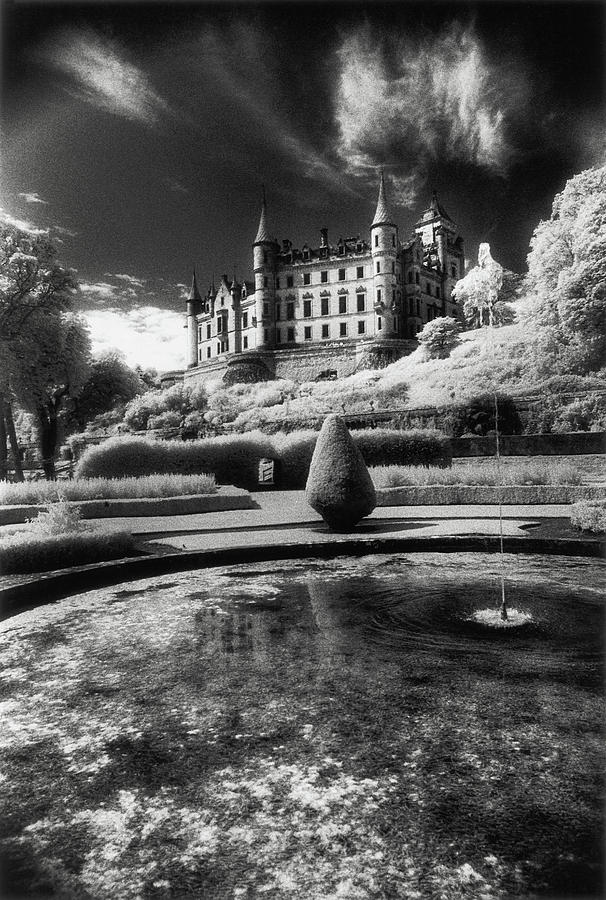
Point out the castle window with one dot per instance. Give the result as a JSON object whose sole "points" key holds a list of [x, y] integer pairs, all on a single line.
{"points": [[325, 331], [395, 323], [218, 348], [307, 308], [208, 332], [222, 300], [378, 268], [341, 274], [308, 332], [265, 335], [219, 324], [266, 309], [428, 288], [290, 310], [324, 277], [245, 320], [361, 301], [199, 333], [360, 272], [278, 336], [226, 344], [278, 283], [417, 278], [306, 277], [277, 312], [290, 335], [393, 240], [410, 307], [379, 323], [438, 291], [245, 342], [376, 240], [289, 281], [410, 276], [324, 306], [418, 307], [208, 352], [264, 256], [342, 304], [265, 281], [306, 253], [199, 354], [342, 329], [361, 326], [393, 268], [379, 295], [453, 271]]}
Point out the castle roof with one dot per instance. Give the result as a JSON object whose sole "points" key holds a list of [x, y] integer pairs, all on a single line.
{"points": [[194, 293], [382, 215], [263, 235], [434, 211]]}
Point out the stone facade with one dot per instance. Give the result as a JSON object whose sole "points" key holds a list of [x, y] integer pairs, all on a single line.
{"points": [[328, 310]]}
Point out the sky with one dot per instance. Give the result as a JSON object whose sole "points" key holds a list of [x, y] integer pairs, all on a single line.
{"points": [[140, 135]]}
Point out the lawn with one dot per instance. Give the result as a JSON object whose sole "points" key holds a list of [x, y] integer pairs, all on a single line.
{"points": [[324, 729]]}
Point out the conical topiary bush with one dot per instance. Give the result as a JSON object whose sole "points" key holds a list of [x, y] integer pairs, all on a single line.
{"points": [[339, 486]]}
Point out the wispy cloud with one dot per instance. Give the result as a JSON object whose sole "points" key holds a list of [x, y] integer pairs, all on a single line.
{"points": [[32, 197], [21, 224], [440, 98], [104, 76], [129, 279], [147, 335]]}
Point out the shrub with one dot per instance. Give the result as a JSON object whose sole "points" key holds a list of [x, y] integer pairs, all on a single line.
{"points": [[585, 414], [477, 416], [295, 452], [439, 337], [589, 515], [170, 418], [233, 459], [26, 552], [339, 486]]}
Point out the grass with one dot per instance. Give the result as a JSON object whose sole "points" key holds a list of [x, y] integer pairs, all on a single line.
{"points": [[39, 492], [484, 473], [260, 734]]}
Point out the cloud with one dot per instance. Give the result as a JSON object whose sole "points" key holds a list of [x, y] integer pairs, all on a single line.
{"points": [[130, 279], [32, 197], [99, 292], [146, 336], [436, 99], [21, 224], [104, 76]]}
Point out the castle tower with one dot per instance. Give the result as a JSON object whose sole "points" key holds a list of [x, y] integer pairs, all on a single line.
{"points": [[384, 248], [194, 306], [437, 228], [265, 250]]}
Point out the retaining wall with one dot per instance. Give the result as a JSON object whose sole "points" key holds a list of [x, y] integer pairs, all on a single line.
{"points": [[570, 444]]}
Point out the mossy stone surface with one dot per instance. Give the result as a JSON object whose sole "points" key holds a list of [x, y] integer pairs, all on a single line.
{"points": [[339, 486]]}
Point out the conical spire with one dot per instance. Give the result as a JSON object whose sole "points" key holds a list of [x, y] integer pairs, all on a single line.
{"points": [[382, 215], [263, 231], [194, 293]]}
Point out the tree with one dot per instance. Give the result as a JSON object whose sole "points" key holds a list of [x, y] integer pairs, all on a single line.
{"points": [[565, 303], [479, 290], [439, 337], [110, 381], [44, 349]]}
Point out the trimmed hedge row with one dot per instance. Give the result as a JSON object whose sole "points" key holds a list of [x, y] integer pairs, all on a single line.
{"points": [[42, 554], [234, 459]]}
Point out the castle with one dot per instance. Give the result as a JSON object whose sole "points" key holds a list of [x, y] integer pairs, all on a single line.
{"points": [[325, 312]]}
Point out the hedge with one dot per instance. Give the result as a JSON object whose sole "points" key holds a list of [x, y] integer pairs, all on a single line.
{"points": [[234, 459], [43, 553]]}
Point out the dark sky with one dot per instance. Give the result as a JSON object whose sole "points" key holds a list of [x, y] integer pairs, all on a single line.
{"points": [[141, 134]]}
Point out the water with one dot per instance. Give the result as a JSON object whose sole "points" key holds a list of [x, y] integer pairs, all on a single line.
{"points": [[334, 728]]}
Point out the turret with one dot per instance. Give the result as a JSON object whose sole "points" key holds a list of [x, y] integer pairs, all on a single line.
{"points": [[437, 228], [265, 250], [194, 307], [384, 248]]}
